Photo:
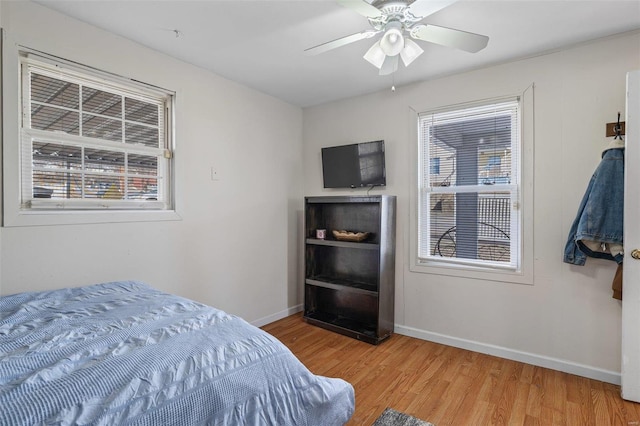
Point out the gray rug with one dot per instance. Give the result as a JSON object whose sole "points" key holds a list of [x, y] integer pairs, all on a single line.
{"points": [[391, 417]]}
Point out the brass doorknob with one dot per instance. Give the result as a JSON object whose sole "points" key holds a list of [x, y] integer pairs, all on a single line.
{"points": [[635, 253]]}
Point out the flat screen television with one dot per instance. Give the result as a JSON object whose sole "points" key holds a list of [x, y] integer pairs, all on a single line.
{"points": [[354, 166]]}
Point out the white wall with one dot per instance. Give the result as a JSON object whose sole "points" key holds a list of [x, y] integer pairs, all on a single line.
{"points": [[567, 318], [232, 248]]}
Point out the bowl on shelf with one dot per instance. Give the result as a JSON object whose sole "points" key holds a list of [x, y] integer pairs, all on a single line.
{"points": [[350, 236]]}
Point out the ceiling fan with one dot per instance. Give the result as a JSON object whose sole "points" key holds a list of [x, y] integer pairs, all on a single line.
{"points": [[397, 19]]}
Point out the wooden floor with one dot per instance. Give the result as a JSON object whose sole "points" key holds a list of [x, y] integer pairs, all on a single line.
{"points": [[450, 386]]}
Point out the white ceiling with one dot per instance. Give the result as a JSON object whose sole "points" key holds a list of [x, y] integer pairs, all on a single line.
{"points": [[260, 43]]}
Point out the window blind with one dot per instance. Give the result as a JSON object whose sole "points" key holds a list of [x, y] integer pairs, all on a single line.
{"points": [[469, 180], [90, 144]]}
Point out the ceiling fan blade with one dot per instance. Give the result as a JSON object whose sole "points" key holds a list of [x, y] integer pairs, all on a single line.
{"points": [[424, 8], [449, 37], [390, 65], [361, 7], [324, 47]]}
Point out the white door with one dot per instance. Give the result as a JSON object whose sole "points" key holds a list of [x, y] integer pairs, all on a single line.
{"points": [[631, 270]]}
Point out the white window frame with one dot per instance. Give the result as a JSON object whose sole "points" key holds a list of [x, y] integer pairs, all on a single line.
{"points": [[23, 210], [522, 273]]}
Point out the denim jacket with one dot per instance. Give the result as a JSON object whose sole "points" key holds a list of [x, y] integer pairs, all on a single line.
{"points": [[599, 219]]}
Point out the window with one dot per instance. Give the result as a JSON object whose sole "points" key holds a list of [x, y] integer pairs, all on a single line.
{"points": [[468, 209], [434, 165], [91, 142]]}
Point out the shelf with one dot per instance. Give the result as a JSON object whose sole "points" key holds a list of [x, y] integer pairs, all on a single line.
{"points": [[347, 326], [341, 199], [349, 285], [344, 285], [347, 244]]}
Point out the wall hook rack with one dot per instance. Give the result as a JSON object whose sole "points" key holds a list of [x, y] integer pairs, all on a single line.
{"points": [[616, 129]]}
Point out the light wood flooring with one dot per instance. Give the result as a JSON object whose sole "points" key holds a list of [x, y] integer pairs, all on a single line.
{"points": [[450, 386]]}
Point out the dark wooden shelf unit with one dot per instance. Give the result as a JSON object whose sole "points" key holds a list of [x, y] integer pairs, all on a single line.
{"points": [[349, 286]]}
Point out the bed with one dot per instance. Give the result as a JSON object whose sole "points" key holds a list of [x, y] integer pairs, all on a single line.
{"points": [[125, 353]]}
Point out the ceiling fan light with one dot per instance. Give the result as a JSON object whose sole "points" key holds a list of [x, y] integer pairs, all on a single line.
{"points": [[390, 65], [375, 55], [392, 42], [410, 52]]}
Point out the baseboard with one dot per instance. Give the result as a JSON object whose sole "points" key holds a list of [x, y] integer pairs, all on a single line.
{"points": [[514, 355], [277, 316]]}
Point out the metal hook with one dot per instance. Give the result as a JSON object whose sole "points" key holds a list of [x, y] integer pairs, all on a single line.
{"points": [[618, 128]]}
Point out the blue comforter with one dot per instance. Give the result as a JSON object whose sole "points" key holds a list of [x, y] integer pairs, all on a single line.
{"points": [[124, 353]]}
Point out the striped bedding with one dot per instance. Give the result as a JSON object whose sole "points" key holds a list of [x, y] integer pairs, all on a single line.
{"points": [[125, 353]]}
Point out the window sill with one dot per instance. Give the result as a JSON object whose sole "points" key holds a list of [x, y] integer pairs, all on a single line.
{"points": [[472, 272], [50, 218]]}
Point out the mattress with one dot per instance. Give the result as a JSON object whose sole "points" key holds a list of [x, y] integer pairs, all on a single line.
{"points": [[125, 353]]}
